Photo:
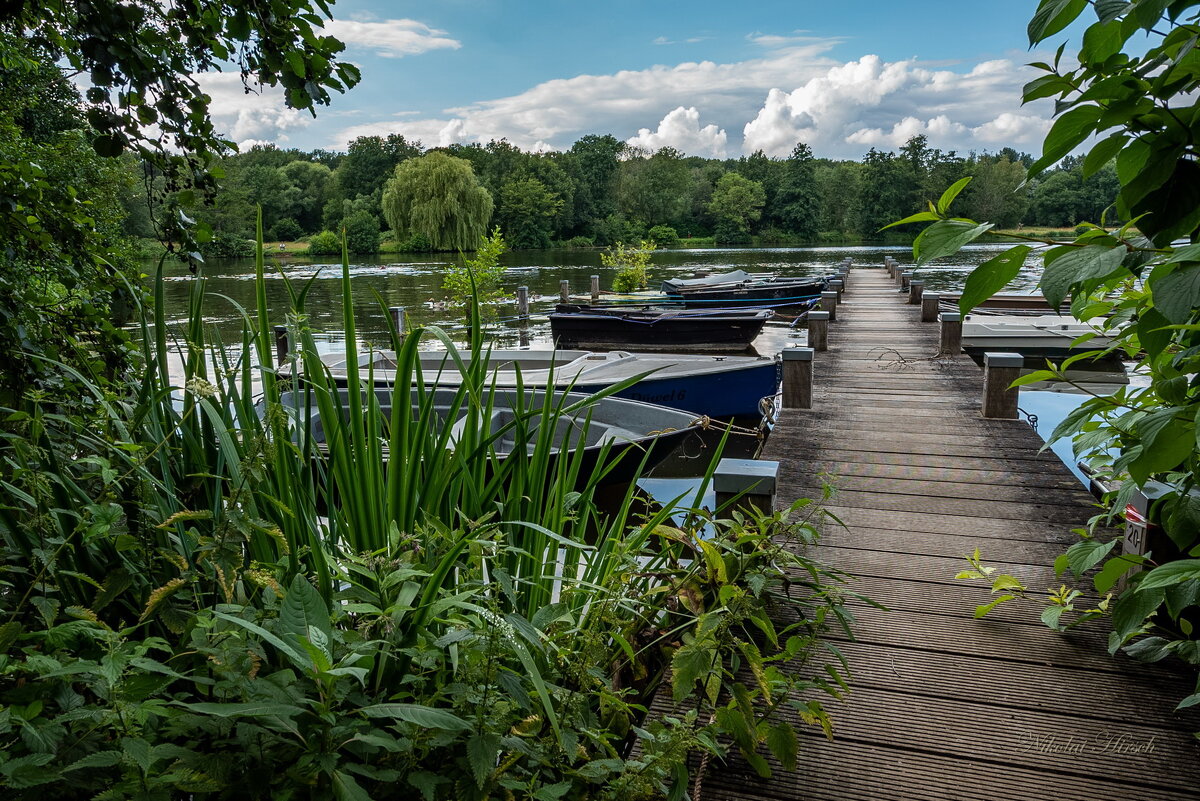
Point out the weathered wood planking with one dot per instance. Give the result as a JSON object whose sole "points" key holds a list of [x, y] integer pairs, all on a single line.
{"points": [[946, 706]]}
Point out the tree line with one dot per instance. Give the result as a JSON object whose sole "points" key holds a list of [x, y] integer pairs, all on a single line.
{"points": [[602, 190]]}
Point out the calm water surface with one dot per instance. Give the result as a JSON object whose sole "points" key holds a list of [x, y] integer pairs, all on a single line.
{"points": [[414, 282]]}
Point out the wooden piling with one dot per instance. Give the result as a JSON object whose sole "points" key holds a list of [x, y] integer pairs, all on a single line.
{"points": [[915, 290], [797, 378], [281, 344], [818, 330], [564, 290], [523, 303], [595, 288], [905, 279], [829, 304], [397, 314], [1000, 400], [951, 334], [838, 286], [744, 484], [930, 305]]}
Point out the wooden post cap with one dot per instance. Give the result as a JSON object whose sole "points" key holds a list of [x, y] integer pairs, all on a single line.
{"points": [[818, 316], [830, 295], [949, 317], [1003, 360], [752, 476], [795, 354]]}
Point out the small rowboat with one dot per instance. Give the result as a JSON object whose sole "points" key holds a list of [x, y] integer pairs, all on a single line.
{"points": [[774, 293], [1043, 336], [645, 328]]}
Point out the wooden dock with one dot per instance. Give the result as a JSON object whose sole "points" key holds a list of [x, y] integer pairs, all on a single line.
{"points": [[945, 706]]}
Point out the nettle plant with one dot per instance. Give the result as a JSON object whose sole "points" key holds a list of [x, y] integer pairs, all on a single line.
{"points": [[1132, 93]]}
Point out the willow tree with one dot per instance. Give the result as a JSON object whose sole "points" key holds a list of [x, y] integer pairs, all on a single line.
{"points": [[438, 196]]}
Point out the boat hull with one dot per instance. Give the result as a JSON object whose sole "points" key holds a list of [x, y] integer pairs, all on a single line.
{"points": [[667, 331], [775, 295], [736, 393]]}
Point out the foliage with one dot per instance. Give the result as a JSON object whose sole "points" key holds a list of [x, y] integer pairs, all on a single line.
{"points": [[286, 230], [632, 264], [438, 196], [797, 204], [66, 270], [476, 284], [326, 243], [197, 591], [417, 243], [663, 236], [144, 60], [737, 203], [362, 232], [1137, 101], [227, 246], [526, 211]]}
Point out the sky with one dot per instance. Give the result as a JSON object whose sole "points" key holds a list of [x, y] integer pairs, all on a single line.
{"points": [[714, 79]]}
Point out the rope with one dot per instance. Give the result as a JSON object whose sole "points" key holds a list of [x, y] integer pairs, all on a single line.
{"points": [[1032, 419]]}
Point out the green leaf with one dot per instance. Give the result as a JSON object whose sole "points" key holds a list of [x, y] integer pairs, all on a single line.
{"points": [[297, 658], [1166, 441], [946, 237], [1067, 266], [1067, 133], [690, 663], [1052, 16], [1149, 649], [1102, 153], [243, 710], [992, 276], [1083, 556], [1113, 570], [1191, 700], [1051, 616], [424, 716], [1176, 572], [1130, 610], [482, 749], [948, 196], [303, 608], [345, 788], [982, 611], [1176, 294], [920, 216], [781, 739]]}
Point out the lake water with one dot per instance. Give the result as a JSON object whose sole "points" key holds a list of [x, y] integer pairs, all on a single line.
{"points": [[414, 282]]}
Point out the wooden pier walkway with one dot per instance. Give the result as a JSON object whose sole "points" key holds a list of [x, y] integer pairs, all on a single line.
{"points": [[945, 706]]}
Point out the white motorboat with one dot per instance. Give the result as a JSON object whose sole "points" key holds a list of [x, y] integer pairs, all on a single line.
{"points": [[1044, 336]]}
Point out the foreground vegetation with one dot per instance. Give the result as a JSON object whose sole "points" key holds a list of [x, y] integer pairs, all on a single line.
{"points": [[1143, 278]]}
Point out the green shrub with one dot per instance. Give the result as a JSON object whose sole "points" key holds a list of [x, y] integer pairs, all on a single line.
{"points": [[632, 265], [325, 243], [227, 246], [286, 230], [416, 243], [579, 242], [362, 232], [663, 236]]}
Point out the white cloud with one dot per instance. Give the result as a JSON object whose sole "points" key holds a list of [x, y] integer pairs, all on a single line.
{"points": [[559, 111], [872, 103], [393, 38], [793, 92], [681, 130], [257, 117]]}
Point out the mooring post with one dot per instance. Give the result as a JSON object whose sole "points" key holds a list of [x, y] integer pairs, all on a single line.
{"points": [[951, 339], [1000, 400], [564, 290], [839, 286], [281, 344], [916, 289], [818, 330], [905, 280], [797, 378], [829, 304], [523, 303], [397, 313], [595, 288], [930, 304], [751, 482]]}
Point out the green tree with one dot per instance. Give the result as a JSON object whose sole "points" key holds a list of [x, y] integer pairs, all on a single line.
{"points": [[797, 203], [526, 211], [737, 203], [839, 185], [437, 196], [362, 233], [307, 186], [655, 189], [593, 163], [142, 59], [886, 192], [632, 265], [997, 192], [479, 277]]}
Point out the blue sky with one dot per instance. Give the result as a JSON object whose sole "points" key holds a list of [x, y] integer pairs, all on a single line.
{"points": [[713, 79]]}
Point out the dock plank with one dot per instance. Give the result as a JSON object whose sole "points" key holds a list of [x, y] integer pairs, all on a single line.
{"points": [[945, 706]]}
